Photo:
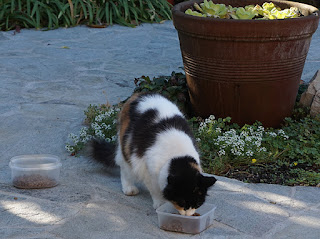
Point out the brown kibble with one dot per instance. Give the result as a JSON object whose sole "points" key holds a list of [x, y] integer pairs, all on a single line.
{"points": [[174, 226], [194, 214], [34, 181]]}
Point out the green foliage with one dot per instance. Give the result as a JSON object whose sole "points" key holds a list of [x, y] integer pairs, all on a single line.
{"points": [[304, 140], [237, 146], [173, 87], [252, 153], [266, 11], [300, 176], [302, 88], [52, 14], [289, 156]]}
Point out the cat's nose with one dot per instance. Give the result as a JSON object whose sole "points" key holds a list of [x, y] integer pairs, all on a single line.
{"points": [[182, 212], [190, 211], [179, 209]]}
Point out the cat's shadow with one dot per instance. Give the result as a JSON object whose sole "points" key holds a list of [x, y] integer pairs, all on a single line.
{"points": [[107, 172]]}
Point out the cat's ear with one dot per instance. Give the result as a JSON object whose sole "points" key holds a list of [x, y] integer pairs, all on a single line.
{"points": [[207, 181]]}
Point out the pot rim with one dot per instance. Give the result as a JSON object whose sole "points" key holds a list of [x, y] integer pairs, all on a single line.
{"points": [[246, 30], [180, 8]]}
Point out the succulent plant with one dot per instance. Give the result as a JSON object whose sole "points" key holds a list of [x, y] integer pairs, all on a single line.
{"points": [[242, 13], [195, 13], [214, 10], [266, 11], [268, 6]]}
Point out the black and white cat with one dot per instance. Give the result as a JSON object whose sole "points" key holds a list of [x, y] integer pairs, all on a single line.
{"points": [[156, 146]]}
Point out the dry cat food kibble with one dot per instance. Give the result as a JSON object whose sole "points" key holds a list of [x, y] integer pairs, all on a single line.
{"points": [[194, 214], [34, 181], [175, 226]]}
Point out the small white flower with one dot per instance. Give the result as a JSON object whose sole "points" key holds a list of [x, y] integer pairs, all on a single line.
{"points": [[74, 138], [83, 132], [248, 138], [282, 134], [243, 134], [69, 148], [257, 143], [212, 118], [272, 134], [262, 149], [95, 126], [221, 152], [249, 153]]}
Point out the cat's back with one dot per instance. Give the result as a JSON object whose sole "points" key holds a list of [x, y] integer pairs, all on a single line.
{"points": [[155, 102], [148, 116]]}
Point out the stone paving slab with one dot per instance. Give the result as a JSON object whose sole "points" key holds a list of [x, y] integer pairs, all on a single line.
{"points": [[49, 78]]}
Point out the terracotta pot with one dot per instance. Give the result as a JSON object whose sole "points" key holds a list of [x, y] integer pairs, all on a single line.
{"points": [[315, 3], [247, 69]]}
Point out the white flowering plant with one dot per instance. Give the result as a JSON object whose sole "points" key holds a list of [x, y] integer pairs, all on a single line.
{"points": [[102, 124], [252, 153], [223, 144]]}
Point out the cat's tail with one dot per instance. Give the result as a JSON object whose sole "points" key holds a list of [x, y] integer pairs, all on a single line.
{"points": [[103, 152]]}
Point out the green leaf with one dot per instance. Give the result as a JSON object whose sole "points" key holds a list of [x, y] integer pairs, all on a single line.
{"points": [[194, 13], [12, 6], [243, 14], [160, 81], [34, 9], [84, 9]]}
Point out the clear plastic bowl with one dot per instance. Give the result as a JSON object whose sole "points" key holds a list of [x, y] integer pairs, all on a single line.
{"points": [[35, 171], [170, 219]]}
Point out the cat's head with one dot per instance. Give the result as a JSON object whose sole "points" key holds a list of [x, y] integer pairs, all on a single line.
{"points": [[186, 186]]}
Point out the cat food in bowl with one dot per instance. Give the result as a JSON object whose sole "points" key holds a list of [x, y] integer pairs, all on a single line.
{"points": [[170, 219], [35, 171]]}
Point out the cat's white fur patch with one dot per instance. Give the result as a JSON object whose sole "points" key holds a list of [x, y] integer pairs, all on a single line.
{"points": [[164, 107], [170, 144], [153, 168]]}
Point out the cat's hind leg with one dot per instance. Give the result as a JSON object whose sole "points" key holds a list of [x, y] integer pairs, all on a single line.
{"points": [[127, 180], [127, 177]]}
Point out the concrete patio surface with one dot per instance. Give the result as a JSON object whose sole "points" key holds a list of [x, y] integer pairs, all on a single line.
{"points": [[48, 79]]}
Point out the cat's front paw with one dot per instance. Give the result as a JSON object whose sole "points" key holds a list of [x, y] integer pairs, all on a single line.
{"points": [[157, 203], [130, 190]]}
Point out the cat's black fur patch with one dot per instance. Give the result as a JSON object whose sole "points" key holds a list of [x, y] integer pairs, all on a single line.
{"points": [[103, 152], [144, 130], [187, 187]]}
